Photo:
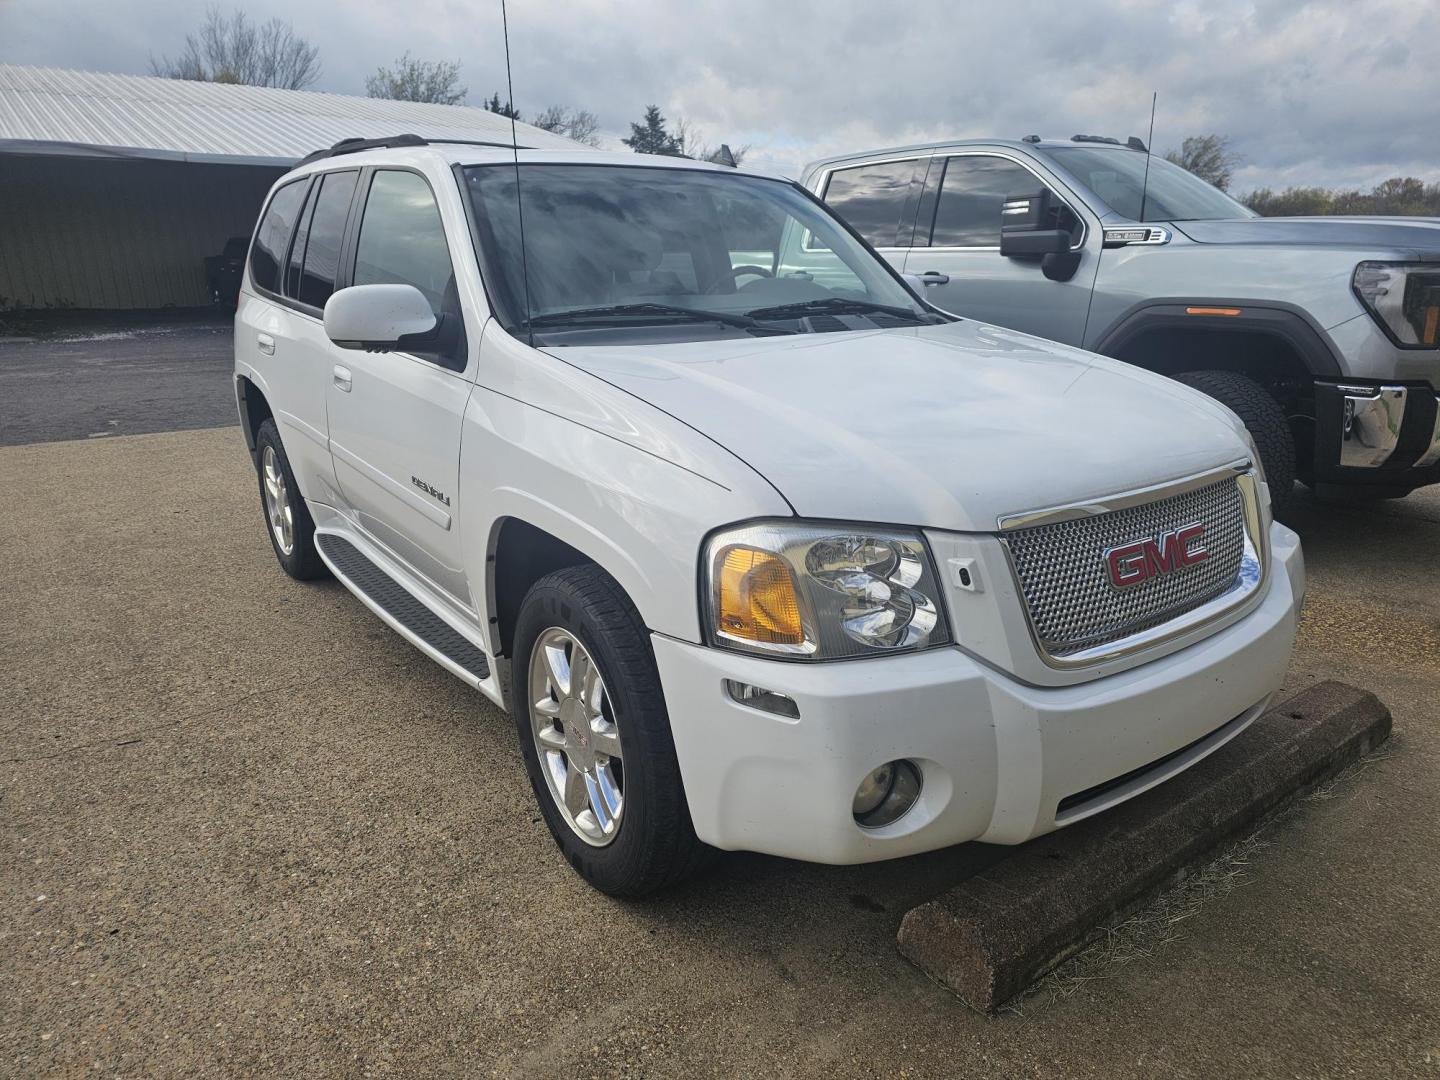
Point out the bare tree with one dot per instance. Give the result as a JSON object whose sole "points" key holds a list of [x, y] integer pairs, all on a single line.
{"points": [[693, 145], [235, 50], [1207, 156], [436, 81], [582, 125]]}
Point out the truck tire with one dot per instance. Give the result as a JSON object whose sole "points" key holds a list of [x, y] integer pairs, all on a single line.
{"points": [[595, 735], [1263, 418], [287, 518]]}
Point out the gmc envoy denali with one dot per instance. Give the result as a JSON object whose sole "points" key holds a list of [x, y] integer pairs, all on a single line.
{"points": [[760, 549]]}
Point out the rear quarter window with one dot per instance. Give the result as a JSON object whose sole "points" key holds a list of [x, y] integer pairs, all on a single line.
{"points": [[273, 236]]}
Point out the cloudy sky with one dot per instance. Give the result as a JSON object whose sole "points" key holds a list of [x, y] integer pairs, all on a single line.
{"points": [[1335, 92]]}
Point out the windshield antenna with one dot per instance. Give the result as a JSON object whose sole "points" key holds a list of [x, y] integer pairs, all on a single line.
{"points": [[1149, 142], [519, 203]]}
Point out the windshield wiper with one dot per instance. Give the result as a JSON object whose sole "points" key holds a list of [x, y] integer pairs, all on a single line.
{"points": [[593, 314], [834, 305]]}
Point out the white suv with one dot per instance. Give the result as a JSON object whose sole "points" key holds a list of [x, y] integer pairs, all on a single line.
{"points": [[760, 550]]}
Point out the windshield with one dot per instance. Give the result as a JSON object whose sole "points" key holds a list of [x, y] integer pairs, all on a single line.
{"points": [[626, 254], [1117, 178]]}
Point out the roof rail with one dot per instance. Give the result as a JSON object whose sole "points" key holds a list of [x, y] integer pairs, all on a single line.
{"points": [[390, 142]]}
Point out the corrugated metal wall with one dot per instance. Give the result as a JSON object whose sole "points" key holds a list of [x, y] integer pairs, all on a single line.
{"points": [[82, 233]]}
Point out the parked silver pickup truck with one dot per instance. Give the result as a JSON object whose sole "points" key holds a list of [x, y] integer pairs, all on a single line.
{"points": [[1323, 334]]}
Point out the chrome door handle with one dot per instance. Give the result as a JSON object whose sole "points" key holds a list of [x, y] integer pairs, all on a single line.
{"points": [[342, 379], [266, 343], [934, 277]]}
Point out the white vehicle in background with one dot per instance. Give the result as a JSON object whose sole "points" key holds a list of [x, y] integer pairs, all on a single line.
{"points": [[761, 551]]}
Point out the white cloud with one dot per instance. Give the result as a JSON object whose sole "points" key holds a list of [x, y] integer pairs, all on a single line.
{"points": [[1329, 92]]}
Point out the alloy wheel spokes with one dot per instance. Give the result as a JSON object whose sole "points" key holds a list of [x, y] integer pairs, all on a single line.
{"points": [[576, 737]]}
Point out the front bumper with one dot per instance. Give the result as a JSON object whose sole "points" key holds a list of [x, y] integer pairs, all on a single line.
{"points": [[998, 757], [1377, 434]]}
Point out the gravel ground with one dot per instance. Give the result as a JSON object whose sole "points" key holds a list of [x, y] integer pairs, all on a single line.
{"points": [[244, 828]]}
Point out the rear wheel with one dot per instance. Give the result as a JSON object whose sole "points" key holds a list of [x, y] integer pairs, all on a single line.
{"points": [[595, 735], [287, 518], [1262, 417]]}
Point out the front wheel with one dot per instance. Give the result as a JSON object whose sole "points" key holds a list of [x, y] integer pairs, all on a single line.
{"points": [[595, 735], [1263, 419]]}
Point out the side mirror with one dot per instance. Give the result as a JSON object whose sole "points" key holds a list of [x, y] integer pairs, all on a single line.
{"points": [[1030, 227], [379, 318]]}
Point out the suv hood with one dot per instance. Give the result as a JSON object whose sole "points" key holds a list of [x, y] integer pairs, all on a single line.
{"points": [[1420, 236], [948, 427]]}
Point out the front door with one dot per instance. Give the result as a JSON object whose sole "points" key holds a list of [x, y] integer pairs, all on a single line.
{"points": [[395, 418], [957, 236]]}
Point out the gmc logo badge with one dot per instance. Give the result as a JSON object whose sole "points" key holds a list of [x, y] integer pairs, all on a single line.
{"points": [[1130, 564]]}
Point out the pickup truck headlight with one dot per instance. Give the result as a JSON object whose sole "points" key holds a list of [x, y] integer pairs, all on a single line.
{"points": [[821, 592], [1404, 299]]}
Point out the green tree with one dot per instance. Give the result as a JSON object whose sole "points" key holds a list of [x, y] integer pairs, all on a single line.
{"points": [[1208, 157], [436, 81], [1400, 195], [506, 110], [235, 50], [652, 137]]}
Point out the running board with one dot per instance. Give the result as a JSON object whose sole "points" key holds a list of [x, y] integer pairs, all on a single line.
{"points": [[400, 605]]}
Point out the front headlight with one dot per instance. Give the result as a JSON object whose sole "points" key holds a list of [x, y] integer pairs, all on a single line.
{"points": [[1404, 299], [821, 592]]}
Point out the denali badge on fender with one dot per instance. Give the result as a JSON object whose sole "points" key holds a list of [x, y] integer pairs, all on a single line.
{"points": [[1130, 564]]}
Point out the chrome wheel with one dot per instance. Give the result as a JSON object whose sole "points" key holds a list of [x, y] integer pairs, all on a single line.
{"points": [[573, 723], [277, 501]]}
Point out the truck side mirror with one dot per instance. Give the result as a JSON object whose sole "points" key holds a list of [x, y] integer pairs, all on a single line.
{"points": [[1030, 225]]}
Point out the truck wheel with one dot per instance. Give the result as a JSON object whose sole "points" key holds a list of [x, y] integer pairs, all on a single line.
{"points": [[1263, 418], [596, 736], [287, 518]]}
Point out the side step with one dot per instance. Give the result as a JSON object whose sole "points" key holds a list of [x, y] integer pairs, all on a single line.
{"points": [[397, 602]]}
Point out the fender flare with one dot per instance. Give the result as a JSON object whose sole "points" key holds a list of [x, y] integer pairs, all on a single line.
{"points": [[1290, 323]]}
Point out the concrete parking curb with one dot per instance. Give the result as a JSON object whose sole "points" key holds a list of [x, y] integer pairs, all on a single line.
{"points": [[990, 937]]}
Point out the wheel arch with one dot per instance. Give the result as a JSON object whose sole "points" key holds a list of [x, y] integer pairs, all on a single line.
{"points": [[254, 409], [524, 547], [1168, 335]]}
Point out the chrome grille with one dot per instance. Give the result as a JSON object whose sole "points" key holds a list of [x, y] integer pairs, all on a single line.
{"points": [[1065, 580]]}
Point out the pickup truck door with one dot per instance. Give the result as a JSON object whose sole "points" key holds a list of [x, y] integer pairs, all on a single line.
{"points": [[957, 245], [395, 418]]}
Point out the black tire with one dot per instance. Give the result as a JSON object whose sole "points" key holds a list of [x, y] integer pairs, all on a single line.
{"points": [[302, 562], [1263, 418], [655, 845]]}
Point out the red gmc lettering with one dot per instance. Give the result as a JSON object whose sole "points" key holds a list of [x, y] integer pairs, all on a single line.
{"points": [[1131, 564]]}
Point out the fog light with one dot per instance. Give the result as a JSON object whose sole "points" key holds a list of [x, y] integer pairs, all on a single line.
{"points": [[885, 795]]}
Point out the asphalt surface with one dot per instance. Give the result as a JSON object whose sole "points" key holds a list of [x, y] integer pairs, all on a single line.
{"points": [[246, 829], [101, 377]]}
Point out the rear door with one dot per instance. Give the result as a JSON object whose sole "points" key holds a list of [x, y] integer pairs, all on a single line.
{"points": [[286, 342], [395, 418], [957, 236]]}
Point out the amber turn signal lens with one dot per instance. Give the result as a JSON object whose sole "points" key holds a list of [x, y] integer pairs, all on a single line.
{"points": [[756, 598]]}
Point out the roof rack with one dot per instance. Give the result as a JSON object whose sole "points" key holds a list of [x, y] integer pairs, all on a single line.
{"points": [[390, 142]]}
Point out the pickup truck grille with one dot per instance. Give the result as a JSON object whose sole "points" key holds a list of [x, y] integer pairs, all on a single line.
{"points": [[1065, 575]]}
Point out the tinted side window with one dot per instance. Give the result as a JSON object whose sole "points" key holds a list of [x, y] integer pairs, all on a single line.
{"points": [[968, 214], [322, 245], [274, 234], [402, 239], [297, 246], [872, 198]]}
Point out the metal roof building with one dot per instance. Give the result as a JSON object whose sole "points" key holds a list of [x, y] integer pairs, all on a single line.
{"points": [[114, 188]]}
